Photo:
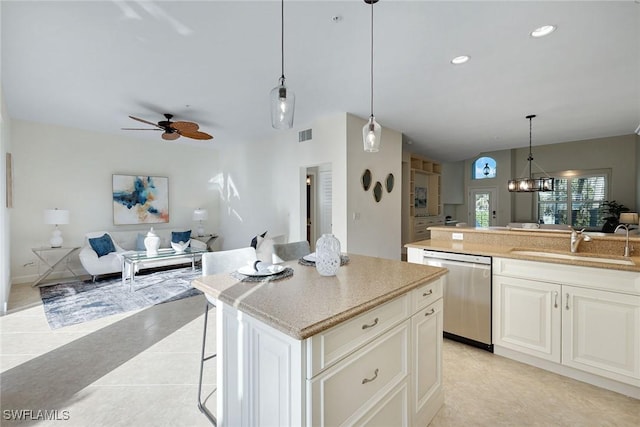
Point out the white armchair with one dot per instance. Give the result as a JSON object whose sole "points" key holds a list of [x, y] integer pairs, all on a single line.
{"points": [[106, 264]]}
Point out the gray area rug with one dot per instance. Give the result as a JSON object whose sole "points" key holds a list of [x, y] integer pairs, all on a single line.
{"points": [[76, 302]]}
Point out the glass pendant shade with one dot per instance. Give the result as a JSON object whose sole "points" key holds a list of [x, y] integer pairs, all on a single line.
{"points": [[283, 102], [371, 133]]}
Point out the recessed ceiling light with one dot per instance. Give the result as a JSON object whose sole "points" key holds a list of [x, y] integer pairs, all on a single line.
{"points": [[460, 59], [545, 30]]}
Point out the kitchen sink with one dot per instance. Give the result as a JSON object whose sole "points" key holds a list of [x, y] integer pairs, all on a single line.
{"points": [[574, 257]]}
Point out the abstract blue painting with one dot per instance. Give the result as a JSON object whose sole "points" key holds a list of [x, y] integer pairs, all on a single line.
{"points": [[140, 199]]}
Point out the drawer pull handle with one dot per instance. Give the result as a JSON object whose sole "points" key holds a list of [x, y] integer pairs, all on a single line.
{"points": [[375, 322], [426, 294], [567, 304], [555, 304], [368, 380], [430, 312]]}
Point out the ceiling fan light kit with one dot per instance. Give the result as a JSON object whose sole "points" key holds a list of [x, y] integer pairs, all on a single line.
{"points": [[371, 132], [531, 184], [283, 100]]}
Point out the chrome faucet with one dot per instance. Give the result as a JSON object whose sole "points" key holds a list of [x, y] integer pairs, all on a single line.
{"points": [[627, 250], [576, 238]]}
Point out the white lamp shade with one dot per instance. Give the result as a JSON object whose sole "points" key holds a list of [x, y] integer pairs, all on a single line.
{"points": [[629, 218], [56, 216], [200, 215]]}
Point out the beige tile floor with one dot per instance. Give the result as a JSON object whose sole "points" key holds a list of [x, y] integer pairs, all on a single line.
{"points": [[141, 369]]}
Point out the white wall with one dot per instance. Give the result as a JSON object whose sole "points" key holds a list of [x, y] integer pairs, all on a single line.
{"points": [[264, 185], [72, 169], [377, 231], [5, 214]]}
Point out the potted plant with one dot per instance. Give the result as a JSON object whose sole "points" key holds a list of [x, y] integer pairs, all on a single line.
{"points": [[612, 211]]}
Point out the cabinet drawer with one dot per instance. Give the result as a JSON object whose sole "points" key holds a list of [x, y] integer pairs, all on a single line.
{"points": [[426, 294], [328, 347], [421, 234], [367, 376], [420, 222]]}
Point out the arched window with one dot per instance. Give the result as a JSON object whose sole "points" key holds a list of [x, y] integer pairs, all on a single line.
{"points": [[484, 167]]}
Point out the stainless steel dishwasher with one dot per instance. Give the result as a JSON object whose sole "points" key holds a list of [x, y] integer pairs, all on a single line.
{"points": [[467, 296]]}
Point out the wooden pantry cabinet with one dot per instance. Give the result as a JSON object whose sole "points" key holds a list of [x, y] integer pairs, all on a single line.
{"points": [[424, 198]]}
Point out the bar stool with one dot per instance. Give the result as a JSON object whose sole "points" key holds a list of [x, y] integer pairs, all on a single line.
{"points": [[216, 263]]}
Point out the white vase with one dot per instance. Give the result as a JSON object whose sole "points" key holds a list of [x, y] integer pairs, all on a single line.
{"points": [[152, 243], [327, 255]]}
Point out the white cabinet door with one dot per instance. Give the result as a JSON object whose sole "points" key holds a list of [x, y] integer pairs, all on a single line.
{"points": [[602, 333], [256, 386], [526, 316], [426, 331]]}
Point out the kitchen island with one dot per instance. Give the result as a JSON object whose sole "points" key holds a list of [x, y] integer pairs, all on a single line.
{"points": [[362, 347]]}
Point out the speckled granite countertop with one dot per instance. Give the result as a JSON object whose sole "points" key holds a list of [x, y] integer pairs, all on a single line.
{"points": [[503, 243], [308, 303]]}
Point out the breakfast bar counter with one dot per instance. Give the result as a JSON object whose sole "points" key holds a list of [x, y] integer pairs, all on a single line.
{"points": [[308, 303], [364, 345]]}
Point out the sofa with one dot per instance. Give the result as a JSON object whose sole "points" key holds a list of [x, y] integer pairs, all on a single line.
{"points": [[127, 241]]}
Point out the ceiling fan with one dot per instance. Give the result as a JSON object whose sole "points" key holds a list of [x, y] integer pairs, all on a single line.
{"points": [[173, 130]]}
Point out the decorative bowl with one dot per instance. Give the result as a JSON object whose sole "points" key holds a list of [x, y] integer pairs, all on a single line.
{"points": [[180, 246]]}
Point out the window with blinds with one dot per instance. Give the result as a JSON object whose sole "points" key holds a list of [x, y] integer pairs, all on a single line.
{"points": [[576, 200]]}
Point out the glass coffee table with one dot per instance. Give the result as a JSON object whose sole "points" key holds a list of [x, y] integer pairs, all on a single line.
{"points": [[131, 260]]}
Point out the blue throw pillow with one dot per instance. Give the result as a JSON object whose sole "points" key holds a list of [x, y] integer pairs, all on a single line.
{"points": [[180, 236], [102, 245], [140, 242]]}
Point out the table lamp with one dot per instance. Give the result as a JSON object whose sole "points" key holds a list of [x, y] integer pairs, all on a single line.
{"points": [[56, 217], [200, 215]]}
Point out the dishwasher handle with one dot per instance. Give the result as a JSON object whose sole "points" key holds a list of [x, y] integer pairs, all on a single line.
{"points": [[436, 262]]}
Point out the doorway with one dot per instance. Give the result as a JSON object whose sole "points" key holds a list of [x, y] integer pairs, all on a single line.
{"points": [[318, 202], [483, 207]]}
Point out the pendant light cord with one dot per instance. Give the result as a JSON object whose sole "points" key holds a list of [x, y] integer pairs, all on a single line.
{"points": [[282, 38], [530, 153], [372, 58]]}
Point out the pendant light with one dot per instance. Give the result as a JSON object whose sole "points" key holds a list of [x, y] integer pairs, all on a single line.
{"points": [[283, 100], [372, 130], [530, 184]]}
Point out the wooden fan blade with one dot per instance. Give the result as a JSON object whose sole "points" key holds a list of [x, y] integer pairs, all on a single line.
{"points": [[170, 136], [185, 126], [145, 121], [196, 135], [139, 129]]}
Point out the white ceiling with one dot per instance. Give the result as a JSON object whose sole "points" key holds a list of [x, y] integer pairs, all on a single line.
{"points": [[90, 64]]}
